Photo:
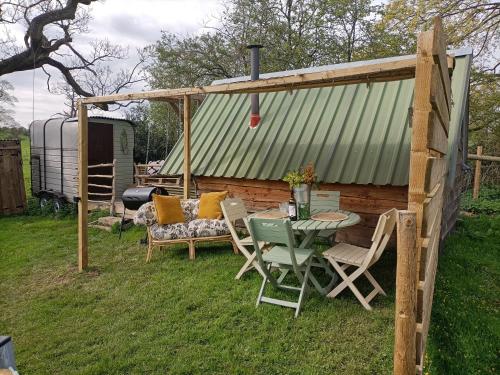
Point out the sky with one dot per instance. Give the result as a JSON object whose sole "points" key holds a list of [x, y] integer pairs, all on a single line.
{"points": [[135, 23]]}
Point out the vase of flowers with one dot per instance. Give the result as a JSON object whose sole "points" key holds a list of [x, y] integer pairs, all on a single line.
{"points": [[301, 183]]}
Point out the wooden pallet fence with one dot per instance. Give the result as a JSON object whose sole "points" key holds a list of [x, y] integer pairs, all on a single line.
{"points": [[12, 190], [428, 170], [479, 157]]}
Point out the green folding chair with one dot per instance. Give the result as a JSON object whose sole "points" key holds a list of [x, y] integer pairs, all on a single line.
{"points": [[285, 256], [325, 200]]}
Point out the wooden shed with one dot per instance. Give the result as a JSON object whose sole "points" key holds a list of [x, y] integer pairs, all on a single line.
{"points": [[12, 191], [357, 136], [54, 157]]}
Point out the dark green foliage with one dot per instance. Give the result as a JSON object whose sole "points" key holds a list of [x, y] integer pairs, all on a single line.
{"points": [[465, 326], [488, 202]]}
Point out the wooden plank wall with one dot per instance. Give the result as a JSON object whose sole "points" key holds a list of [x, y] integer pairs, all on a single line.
{"points": [[12, 191], [367, 200], [428, 168]]}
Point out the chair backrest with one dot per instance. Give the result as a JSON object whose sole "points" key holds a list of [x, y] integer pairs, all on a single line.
{"points": [[273, 231], [233, 209], [381, 236], [325, 200]]}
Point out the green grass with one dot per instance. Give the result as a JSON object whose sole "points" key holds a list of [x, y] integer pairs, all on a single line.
{"points": [[176, 316], [465, 326], [172, 315]]}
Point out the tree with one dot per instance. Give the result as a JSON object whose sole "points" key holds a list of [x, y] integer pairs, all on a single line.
{"points": [[50, 28], [474, 23], [7, 100], [295, 34]]}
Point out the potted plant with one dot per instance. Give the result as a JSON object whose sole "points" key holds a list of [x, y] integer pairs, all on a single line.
{"points": [[300, 183]]}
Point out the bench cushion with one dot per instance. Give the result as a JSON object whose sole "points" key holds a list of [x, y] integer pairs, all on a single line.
{"points": [[170, 231], [208, 227]]}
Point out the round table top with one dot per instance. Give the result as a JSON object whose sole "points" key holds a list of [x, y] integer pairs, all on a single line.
{"points": [[317, 225], [311, 224]]}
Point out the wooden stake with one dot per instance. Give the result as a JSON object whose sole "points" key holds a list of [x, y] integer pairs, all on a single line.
{"points": [[187, 145], [82, 187], [406, 294], [477, 174]]}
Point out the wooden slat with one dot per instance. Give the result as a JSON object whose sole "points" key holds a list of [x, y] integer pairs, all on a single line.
{"points": [[440, 57], [436, 168], [432, 209], [100, 176], [100, 165], [438, 99], [431, 136], [101, 186]]}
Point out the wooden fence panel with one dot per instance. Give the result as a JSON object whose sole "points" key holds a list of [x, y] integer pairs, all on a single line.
{"points": [[12, 191], [428, 170]]}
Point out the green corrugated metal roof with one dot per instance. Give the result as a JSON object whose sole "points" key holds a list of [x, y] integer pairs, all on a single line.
{"points": [[353, 134]]}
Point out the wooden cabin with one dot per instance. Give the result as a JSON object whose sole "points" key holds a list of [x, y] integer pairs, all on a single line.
{"points": [[356, 135]]}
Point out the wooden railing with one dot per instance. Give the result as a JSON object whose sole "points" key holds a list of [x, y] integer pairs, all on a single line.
{"points": [[111, 188]]}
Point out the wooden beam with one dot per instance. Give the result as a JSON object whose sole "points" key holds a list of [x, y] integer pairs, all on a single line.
{"points": [[187, 145], [82, 187], [483, 157], [388, 70], [406, 294]]}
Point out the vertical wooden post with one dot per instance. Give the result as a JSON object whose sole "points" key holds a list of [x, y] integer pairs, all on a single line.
{"points": [[406, 294], [83, 161], [187, 145], [477, 174]]}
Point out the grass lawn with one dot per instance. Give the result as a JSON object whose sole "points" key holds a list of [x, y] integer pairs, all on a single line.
{"points": [[464, 334], [172, 315]]}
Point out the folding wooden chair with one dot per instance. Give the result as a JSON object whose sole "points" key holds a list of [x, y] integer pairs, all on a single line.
{"points": [[233, 210], [344, 256], [286, 256], [325, 200]]}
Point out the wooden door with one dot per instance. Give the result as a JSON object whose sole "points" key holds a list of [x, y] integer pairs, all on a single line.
{"points": [[100, 152]]}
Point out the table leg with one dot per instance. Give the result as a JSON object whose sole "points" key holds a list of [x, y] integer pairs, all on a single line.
{"points": [[307, 243]]}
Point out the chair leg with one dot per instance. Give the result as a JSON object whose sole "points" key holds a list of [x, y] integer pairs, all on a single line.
{"points": [[347, 282], [235, 247], [192, 250], [246, 267], [262, 288], [150, 252], [303, 288], [374, 282]]}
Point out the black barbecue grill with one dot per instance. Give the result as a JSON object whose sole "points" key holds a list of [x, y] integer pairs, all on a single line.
{"points": [[135, 197]]}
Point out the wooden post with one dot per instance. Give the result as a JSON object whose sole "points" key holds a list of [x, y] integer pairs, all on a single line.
{"points": [[82, 187], [477, 174], [113, 189], [406, 294], [187, 145]]}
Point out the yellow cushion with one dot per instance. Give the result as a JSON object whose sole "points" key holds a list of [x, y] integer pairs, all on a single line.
{"points": [[210, 205], [168, 209]]}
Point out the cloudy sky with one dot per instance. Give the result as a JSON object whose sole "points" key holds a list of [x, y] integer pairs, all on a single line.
{"points": [[135, 23]]}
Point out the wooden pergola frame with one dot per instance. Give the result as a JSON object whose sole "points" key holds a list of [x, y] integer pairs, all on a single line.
{"points": [[426, 163]]}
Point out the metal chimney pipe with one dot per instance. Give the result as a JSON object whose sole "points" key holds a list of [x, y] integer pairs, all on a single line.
{"points": [[254, 75]]}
